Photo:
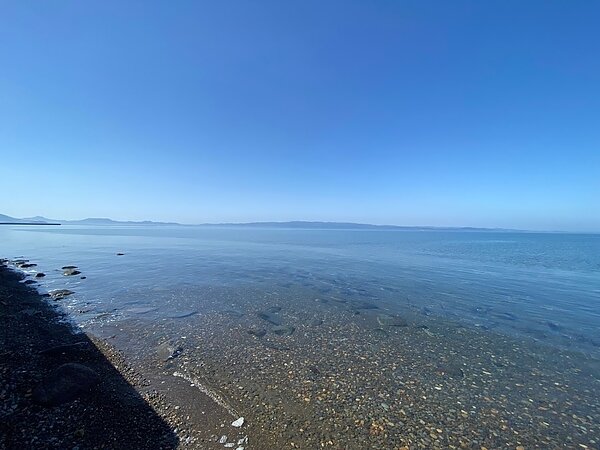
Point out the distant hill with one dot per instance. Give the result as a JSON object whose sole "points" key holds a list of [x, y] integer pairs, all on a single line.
{"points": [[40, 220], [349, 226], [102, 221], [105, 221], [4, 219]]}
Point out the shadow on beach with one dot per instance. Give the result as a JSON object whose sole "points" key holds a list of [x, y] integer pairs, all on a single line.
{"points": [[107, 413]]}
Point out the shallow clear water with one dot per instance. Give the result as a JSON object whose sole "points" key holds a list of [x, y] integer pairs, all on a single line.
{"points": [[345, 338], [537, 286]]}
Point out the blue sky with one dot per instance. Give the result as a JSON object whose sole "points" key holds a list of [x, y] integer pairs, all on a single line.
{"points": [[400, 112]]}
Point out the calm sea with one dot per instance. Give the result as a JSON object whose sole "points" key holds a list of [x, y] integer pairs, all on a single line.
{"points": [[539, 286]]}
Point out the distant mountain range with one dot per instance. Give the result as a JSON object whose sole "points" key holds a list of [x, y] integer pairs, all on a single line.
{"points": [[99, 221], [348, 226], [40, 220], [4, 219]]}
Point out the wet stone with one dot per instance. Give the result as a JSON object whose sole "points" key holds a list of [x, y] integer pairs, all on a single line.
{"points": [[451, 370], [59, 294], [233, 313], [258, 332], [270, 317], [283, 330], [507, 316], [70, 272], [182, 314], [388, 320], [142, 310], [169, 350], [554, 326], [40, 275], [364, 305]]}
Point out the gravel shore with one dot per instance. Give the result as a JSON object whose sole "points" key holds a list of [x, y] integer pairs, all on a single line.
{"points": [[306, 369]]}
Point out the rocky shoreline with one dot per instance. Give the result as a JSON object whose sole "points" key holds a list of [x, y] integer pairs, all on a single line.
{"points": [[62, 389]]}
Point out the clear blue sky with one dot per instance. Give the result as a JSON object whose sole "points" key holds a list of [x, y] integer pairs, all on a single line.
{"points": [[480, 113]]}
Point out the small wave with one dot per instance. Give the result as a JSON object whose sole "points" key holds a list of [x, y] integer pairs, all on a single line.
{"points": [[210, 393]]}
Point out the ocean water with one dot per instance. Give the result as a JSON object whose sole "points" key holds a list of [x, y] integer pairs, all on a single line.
{"points": [[541, 286], [349, 339]]}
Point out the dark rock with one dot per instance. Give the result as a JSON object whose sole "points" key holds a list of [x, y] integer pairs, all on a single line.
{"points": [[69, 272], [26, 265], [283, 330], [426, 311], [28, 282], [120, 254], [364, 305], [142, 310], [270, 317], [452, 370], [68, 267], [506, 316], [314, 369], [40, 275], [554, 326], [258, 332], [65, 384], [388, 320], [182, 314], [82, 278], [59, 294]]}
